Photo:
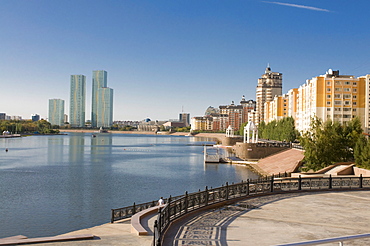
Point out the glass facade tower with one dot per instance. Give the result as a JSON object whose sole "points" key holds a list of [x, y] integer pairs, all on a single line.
{"points": [[77, 101], [56, 112], [99, 80], [104, 107]]}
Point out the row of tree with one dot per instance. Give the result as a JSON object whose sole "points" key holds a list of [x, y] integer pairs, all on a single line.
{"points": [[282, 130], [324, 143], [330, 142], [26, 126]]}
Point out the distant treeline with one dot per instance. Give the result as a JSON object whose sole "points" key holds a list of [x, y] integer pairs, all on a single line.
{"points": [[26, 126]]}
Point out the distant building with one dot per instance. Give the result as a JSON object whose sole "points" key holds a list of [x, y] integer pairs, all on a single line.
{"points": [[35, 117], [99, 80], [104, 114], [223, 117], [185, 118], [173, 124], [2, 116], [77, 101], [269, 85], [56, 112], [65, 118]]}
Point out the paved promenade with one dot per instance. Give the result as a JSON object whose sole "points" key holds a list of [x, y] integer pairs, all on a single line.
{"points": [[269, 220]]}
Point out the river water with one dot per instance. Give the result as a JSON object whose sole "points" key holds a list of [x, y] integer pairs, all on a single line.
{"points": [[51, 185]]}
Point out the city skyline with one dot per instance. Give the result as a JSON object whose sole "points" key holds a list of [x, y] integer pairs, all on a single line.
{"points": [[163, 56]]}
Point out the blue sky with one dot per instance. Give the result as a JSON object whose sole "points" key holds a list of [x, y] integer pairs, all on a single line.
{"points": [[165, 56]]}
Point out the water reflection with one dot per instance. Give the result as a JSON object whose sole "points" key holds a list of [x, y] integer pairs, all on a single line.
{"points": [[54, 184]]}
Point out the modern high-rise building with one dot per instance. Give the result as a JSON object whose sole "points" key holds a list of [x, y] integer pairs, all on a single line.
{"points": [[269, 85], [104, 114], [77, 101], [56, 112], [99, 80]]}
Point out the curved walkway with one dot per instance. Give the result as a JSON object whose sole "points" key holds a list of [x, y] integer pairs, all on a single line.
{"points": [[259, 221], [278, 219]]}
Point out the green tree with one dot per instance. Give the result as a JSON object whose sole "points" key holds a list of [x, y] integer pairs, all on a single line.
{"points": [[329, 142], [282, 130]]}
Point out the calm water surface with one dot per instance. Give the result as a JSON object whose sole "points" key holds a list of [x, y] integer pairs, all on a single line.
{"points": [[55, 184]]}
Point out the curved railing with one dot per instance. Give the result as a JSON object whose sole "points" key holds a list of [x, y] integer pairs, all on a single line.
{"points": [[176, 208], [129, 211]]}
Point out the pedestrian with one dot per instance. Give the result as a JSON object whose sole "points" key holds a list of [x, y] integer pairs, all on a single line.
{"points": [[160, 202]]}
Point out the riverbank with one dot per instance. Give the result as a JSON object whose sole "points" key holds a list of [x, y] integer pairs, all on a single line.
{"points": [[218, 136]]}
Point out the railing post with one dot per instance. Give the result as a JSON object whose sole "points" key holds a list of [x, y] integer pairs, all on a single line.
{"points": [[134, 209], [330, 182], [361, 180], [112, 216], [186, 202], [247, 187], [227, 191], [299, 182], [206, 195], [155, 228], [169, 210], [272, 184]]}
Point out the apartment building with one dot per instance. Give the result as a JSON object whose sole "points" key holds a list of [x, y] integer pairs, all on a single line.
{"points": [[330, 96]]}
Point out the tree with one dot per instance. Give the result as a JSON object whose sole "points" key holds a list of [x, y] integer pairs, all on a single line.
{"points": [[282, 130], [362, 152], [329, 142]]}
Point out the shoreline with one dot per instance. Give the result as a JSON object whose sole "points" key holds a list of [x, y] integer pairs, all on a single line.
{"points": [[218, 136]]}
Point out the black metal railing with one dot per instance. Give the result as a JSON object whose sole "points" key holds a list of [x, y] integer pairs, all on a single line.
{"points": [[176, 208], [129, 211]]}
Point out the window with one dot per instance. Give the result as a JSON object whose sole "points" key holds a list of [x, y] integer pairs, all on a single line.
{"points": [[346, 109], [337, 109], [337, 82], [346, 89], [354, 96], [355, 83], [328, 109], [346, 96], [328, 89], [328, 96], [328, 83], [354, 90], [347, 103], [337, 89], [347, 83], [354, 103], [337, 96], [347, 116], [328, 103], [338, 102], [354, 110]]}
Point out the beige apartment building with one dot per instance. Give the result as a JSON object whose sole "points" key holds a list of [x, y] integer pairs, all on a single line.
{"points": [[269, 85], [330, 96]]}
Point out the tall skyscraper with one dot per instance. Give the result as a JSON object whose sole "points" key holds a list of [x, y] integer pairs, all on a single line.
{"points": [[77, 101], [104, 116], [99, 80], [269, 85], [56, 112]]}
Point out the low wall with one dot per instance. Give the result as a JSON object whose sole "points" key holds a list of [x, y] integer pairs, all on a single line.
{"points": [[250, 151], [231, 141]]}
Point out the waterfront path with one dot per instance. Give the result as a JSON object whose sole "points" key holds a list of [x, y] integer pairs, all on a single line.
{"points": [[259, 221]]}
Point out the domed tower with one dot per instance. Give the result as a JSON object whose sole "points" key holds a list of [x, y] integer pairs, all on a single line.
{"points": [[269, 85]]}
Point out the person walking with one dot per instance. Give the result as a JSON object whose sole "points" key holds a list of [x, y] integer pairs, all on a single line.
{"points": [[160, 202]]}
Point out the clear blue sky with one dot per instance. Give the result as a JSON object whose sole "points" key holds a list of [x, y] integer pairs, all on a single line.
{"points": [[162, 56]]}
